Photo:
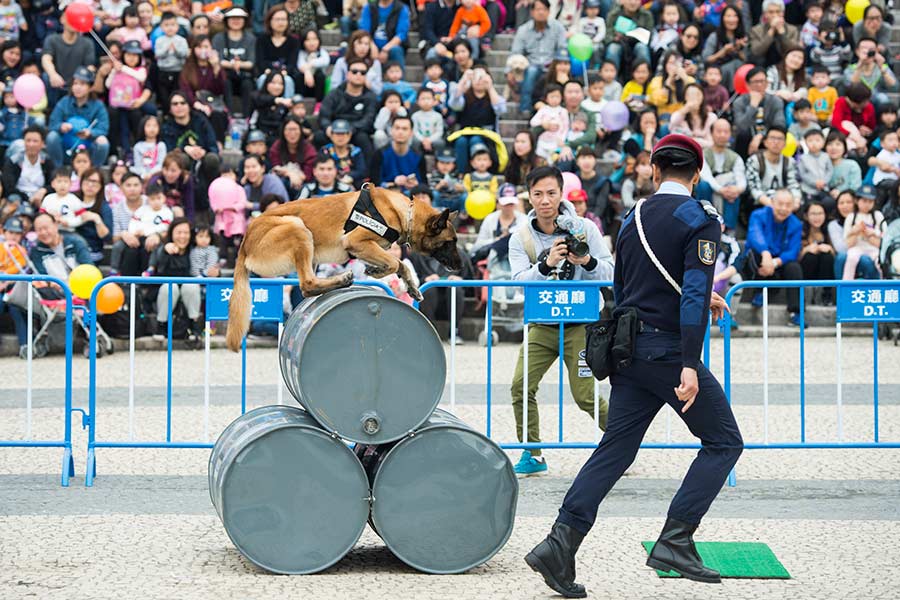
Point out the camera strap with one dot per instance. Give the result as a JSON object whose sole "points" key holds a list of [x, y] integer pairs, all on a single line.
{"points": [[649, 250]]}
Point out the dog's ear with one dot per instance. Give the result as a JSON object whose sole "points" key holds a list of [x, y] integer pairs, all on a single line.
{"points": [[453, 215], [438, 222]]}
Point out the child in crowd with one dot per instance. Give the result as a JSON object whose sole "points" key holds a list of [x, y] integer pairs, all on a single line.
{"points": [[148, 154], [270, 107], [113, 189], [126, 86], [13, 20], [577, 131], [13, 120], [391, 106], [714, 93], [634, 94], [154, 217], [440, 87], [350, 161], [552, 112], [428, 125], [62, 203], [130, 30], [804, 120], [887, 166], [612, 89], [815, 168], [822, 95], [446, 186], [171, 52], [594, 102], [204, 254], [393, 281], [393, 82], [862, 231], [832, 51], [325, 180], [480, 178], [668, 29], [231, 219], [81, 162], [809, 33], [593, 26], [471, 22]]}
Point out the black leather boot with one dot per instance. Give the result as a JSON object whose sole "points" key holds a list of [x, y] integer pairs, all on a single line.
{"points": [[675, 551], [554, 559]]}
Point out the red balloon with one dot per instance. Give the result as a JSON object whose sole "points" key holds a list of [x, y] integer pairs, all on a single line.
{"points": [[80, 17], [740, 79]]}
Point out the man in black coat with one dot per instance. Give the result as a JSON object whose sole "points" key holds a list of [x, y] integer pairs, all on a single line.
{"points": [[353, 102]]}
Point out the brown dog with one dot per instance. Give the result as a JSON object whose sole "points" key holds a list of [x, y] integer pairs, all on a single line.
{"points": [[299, 235]]}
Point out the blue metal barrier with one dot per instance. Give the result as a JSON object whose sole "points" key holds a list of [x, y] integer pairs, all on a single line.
{"points": [[764, 286], [91, 417], [68, 463]]}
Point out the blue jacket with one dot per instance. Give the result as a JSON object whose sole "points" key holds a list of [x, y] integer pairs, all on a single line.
{"points": [[782, 240], [91, 111], [74, 247], [14, 123]]}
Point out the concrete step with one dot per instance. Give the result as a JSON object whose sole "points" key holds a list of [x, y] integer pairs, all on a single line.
{"points": [[414, 73], [495, 58]]}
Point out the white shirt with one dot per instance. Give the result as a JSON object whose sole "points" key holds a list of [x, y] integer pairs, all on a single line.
{"points": [[66, 208], [31, 178], [671, 187]]}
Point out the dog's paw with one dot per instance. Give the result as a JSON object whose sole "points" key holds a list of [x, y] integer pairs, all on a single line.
{"points": [[375, 272], [415, 293], [347, 279]]}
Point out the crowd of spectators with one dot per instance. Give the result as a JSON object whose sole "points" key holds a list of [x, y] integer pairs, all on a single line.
{"points": [[791, 101]]}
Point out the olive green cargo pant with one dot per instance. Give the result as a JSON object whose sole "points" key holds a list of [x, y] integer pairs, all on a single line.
{"points": [[543, 350]]}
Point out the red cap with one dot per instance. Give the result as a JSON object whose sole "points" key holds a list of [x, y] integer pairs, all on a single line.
{"points": [[577, 196], [682, 142]]}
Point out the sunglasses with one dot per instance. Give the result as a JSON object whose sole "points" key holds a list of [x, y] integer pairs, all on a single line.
{"points": [[358, 71]]}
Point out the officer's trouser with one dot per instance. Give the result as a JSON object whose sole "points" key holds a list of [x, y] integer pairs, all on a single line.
{"points": [[543, 350], [638, 392]]}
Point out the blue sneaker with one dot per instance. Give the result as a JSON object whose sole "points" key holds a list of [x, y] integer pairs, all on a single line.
{"points": [[795, 321], [530, 465], [757, 301]]}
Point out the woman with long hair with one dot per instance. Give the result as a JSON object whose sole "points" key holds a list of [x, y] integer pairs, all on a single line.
{"points": [[559, 72], [690, 49], [462, 60], [522, 161], [359, 47], [726, 46], [787, 79], [292, 156], [666, 90], [203, 71], [277, 50], [694, 119], [173, 259], [817, 253], [237, 50], [97, 221], [846, 206], [177, 183], [312, 61], [478, 104]]}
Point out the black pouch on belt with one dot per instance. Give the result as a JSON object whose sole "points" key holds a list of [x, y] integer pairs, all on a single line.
{"points": [[598, 344], [625, 336]]}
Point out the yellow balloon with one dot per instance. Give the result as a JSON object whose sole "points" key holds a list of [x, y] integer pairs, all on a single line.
{"points": [[479, 204], [790, 145], [82, 280], [854, 9]]}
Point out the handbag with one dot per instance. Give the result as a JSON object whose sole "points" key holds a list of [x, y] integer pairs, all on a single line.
{"points": [[609, 343]]}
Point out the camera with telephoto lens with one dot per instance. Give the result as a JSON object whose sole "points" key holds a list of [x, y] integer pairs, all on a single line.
{"points": [[871, 53], [575, 235]]}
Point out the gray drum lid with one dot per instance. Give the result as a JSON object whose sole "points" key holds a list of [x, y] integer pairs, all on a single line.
{"points": [[356, 364], [295, 500], [445, 500]]}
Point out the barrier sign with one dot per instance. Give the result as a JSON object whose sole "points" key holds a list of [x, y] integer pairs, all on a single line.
{"points": [[555, 305], [861, 303], [266, 300]]}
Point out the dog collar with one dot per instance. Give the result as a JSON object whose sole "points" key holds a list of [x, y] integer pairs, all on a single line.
{"points": [[373, 221]]}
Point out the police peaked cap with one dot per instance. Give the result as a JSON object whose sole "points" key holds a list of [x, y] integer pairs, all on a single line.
{"points": [[681, 149]]}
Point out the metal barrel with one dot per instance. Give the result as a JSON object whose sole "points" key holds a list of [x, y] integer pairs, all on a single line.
{"points": [[365, 365], [293, 498], [443, 498]]}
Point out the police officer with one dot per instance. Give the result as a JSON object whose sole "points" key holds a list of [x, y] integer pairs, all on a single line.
{"points": [[665, 369]]}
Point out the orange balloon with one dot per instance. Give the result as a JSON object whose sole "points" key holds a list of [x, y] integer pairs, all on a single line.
{"points": [[110, 298]]}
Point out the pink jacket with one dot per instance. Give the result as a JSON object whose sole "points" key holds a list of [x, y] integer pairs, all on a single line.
{"points": [[231, 215]]}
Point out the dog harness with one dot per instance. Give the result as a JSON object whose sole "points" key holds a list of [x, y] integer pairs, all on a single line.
{"points": [[373, 221]]}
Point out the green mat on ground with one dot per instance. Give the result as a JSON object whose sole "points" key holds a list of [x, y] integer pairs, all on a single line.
{"points": [[743, 560]]}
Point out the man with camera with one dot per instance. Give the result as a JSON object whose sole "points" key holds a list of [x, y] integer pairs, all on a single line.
{"points": [[555, 244]]}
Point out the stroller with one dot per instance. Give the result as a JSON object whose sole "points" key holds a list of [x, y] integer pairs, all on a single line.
{"points": [[50, 309], [890, 260]]}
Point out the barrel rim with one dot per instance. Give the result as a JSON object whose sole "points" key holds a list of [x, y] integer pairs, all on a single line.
{"points": [[513, 504], [324, 434]]}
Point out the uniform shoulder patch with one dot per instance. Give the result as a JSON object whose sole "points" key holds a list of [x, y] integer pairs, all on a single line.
{"points": [[706, 251], [709, 209]]}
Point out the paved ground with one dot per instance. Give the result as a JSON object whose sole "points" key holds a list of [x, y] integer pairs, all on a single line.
{"points": [[147, 529]]}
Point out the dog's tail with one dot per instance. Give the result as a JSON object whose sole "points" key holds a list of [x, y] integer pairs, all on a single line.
{"points": [[239, 305]]}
